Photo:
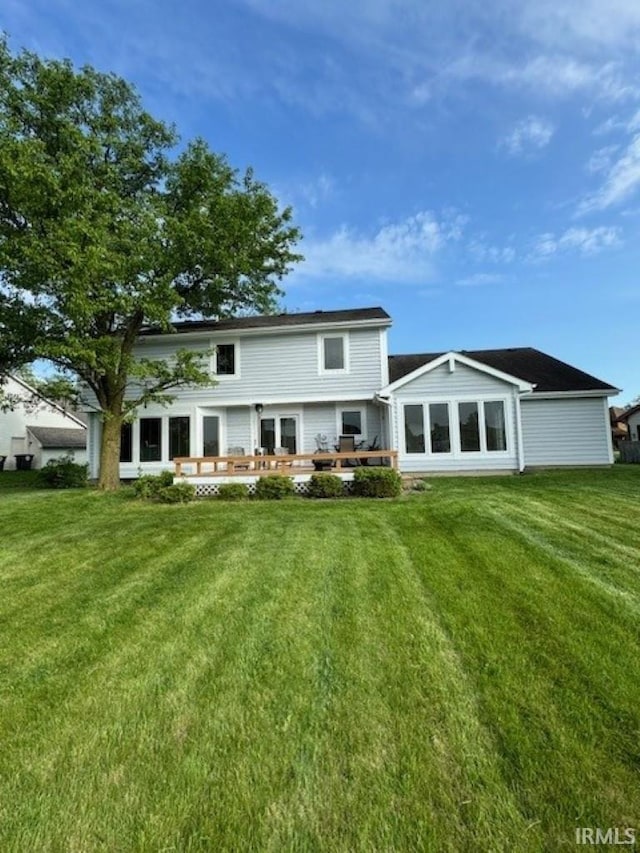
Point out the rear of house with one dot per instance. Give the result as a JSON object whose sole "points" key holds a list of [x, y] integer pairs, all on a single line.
{"points": [[296, 382], [496, 410]]}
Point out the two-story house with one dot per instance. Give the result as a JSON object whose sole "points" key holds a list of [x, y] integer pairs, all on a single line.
{"points": [[283, 380]]}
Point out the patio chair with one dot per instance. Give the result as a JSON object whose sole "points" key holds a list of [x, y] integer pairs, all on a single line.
{"points": [[347, 443], [238, 451]]}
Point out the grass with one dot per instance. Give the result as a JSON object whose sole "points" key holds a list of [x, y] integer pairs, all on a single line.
{"points": [[457, 670]]}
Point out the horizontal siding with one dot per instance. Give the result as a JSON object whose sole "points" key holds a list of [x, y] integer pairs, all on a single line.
{"points": [[444, 386], [463, 382], [565, 432], [634, 427], [284, 366], [239, 428]]}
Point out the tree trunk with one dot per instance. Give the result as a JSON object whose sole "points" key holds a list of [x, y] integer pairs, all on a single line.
{"points": [[109, 479]]}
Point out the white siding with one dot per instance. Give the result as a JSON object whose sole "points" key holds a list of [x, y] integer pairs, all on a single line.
{"points": [[282, 367], [566, 431], [13, 424], [463, 384], [634, 427]]}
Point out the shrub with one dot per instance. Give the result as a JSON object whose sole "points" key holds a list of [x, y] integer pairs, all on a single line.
{"points": [[233, 492], [274, 488], [178, 493], [377, 482], [325, 486], [149, 485], [63, 473]]}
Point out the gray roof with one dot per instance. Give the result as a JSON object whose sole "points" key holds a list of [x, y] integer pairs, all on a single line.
{"points": [[544, 371], [58, 437], [266, 321]]}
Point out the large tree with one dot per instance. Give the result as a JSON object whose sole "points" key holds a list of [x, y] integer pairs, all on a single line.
{"points": [[107, 228]]}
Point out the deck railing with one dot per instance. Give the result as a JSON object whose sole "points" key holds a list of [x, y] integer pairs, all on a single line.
{"points": [[294, 463]]}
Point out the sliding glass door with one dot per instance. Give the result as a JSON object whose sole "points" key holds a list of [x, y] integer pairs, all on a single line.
{"points": [[279, 431]]}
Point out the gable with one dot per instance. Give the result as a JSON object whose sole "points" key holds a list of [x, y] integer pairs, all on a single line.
{"points": [[464, 380]]}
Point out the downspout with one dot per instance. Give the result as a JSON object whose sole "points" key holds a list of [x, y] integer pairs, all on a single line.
{"points": [[390, 430], [520, 434]]}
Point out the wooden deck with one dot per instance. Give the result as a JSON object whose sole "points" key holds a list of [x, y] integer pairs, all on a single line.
{"points": [[298, 463]]}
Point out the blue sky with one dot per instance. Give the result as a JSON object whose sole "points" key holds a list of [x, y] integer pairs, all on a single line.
{"points": [[473, 167]]}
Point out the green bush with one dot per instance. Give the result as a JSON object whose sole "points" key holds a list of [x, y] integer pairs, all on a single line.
{"points": [[377, 482], [233, 492], [149, 485], [274, 488], [63, 473], [178, 493], [325, 486]]}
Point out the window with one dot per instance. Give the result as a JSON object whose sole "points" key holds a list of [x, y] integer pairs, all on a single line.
{"points": [[469, 427], [178, 437], [126, 443], [225, 360], [150, 439], [414, 428], [439, 425], [281, 431], [333, 353], [351, 422], [211, 435], [494, 425]]}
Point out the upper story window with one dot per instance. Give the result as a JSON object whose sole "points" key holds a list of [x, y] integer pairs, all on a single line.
{"points": [[333, 353], [225, 359]]}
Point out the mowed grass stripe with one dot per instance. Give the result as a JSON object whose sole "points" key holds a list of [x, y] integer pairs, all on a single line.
{"points": [[555, 665], [438, 673]]}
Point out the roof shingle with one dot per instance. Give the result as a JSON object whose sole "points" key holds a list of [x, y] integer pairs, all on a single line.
{"points": [[544, 371], [59, 437], [267, 321]]}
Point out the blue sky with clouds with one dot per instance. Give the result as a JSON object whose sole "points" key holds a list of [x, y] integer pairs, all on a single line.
{"points": [[473, 167]]}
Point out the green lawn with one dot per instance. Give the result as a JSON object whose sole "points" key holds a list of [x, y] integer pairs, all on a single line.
{"points": [[457, 670]]}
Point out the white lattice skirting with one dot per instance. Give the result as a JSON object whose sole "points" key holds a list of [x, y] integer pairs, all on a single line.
{"points": [[206, 487]]}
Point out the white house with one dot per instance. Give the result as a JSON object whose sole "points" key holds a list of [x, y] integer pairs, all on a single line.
{"points": [[37, 427], [632, 418], [282, 380]]}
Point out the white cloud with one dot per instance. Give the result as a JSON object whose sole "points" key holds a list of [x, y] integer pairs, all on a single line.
{"points": [[529, 134], [621, 181], [600, 161], [586, 241], [480, 278], [401, 252], [486, 253]]}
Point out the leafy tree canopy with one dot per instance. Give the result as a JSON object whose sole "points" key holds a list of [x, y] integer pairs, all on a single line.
{"points": [[105, 228]]}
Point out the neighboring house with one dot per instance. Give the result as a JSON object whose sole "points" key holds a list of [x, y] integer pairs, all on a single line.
{"points": [[47, 443], [632, 419], [28, 428], [283, 380], [619, 428]]}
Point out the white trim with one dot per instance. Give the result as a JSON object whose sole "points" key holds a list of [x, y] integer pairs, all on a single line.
{"points": [[384, 358], [519, 435], [46, 400], [333, 371], [555, 395], [213, 361], [607, 421], [450, 358], [363, 419], [456, 451], [270, 330], [275, 415]]}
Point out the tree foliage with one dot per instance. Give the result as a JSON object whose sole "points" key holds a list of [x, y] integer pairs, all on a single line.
{"points": [[107, 228]]}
